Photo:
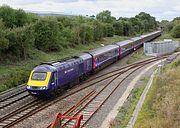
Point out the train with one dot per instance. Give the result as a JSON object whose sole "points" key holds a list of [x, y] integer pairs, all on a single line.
{"points": [[46, 78]]}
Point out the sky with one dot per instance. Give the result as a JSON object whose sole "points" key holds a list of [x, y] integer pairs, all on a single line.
{"points": [[161, 9]]}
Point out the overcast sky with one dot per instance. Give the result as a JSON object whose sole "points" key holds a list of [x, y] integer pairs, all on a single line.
{"points": [[161, 9]]}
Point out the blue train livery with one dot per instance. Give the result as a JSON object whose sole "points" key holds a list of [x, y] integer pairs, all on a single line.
{"points": [[48, 77]]}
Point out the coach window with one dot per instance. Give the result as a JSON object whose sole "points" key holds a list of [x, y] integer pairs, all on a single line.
{"points": [[116, 51]]}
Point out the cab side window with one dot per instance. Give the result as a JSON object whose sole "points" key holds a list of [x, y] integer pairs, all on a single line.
{"points": [[53, 78]]}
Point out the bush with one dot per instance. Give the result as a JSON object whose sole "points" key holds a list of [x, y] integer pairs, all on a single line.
{"points": [[17, 78], [47, 34], [13, 18], [21, 40], [86, 33], [20, 31], [118, 27], [110, 30], [98, 30], [4, 43], [176, 31]]}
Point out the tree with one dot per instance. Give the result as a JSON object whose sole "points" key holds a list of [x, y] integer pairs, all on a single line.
{"points": [[137, 26], [127, 27], [105, 16], [148, 21], [20, 31], [67, 38], [176, 31], [8, 16], [118, 28], [110, 30], [21, 41], [4, 43], [32, 18], [87, 32], [98, 30], [13, 18], [20, 18], [176, 19], [47, 34], [164, 25]]}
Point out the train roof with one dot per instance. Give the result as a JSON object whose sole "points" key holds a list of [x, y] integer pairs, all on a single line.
{"points": [[125, 42], [64, 63], [103, 49], [44, 68], [68, 62], [136, 38], [84, 56], [146, 35]]}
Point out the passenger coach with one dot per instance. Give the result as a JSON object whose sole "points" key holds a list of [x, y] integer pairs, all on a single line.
{"points": [[125, 47], [104, 56], [49, 77]]}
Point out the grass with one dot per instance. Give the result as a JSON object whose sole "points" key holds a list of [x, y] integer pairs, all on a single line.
{"points": [[161, 107], [136, 56], [168, 36], [127, 109], [15, 73]]}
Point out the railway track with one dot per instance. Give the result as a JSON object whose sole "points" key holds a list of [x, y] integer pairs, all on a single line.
{"points": [[14, 100], [12, 92], [35, 105], [110, 74], [11, 99], [127, 66], [30, 109], [92, 102], [19, 95]]}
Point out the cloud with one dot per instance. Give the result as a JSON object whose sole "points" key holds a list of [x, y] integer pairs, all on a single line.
{"points": [[161, 9]]}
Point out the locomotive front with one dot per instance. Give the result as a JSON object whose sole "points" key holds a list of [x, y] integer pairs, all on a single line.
{"points": [[41, 81]]}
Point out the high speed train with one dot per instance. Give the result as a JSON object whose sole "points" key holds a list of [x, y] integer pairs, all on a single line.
{"points": [[48, 77]]}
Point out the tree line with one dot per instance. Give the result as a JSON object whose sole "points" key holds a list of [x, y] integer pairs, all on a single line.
{"points": [[22, 32], [172, 27]]}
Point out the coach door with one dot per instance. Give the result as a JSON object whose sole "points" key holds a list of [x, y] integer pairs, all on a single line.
{"points": [[55, 80], [81, 69]]}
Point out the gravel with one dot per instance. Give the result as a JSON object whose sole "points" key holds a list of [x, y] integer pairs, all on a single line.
{"points": [[46, 116], [99, 117]]}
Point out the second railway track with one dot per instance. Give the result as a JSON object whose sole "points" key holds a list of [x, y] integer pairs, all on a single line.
{"points": [[35, 105], [92, 102]]}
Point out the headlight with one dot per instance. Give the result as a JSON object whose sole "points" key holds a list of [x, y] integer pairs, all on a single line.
{"points": [[42, 88], [28, 87]]}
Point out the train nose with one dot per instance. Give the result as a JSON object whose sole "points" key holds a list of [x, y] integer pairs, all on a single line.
{"points": [[37, 87], [34, 90]]}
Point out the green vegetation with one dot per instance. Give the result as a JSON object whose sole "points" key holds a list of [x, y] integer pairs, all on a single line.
{"points": [[137, 56], [127, 109], [176, 31], [168, 36], [23, 32], [172, 27], [161, 107], [27, 39], [16, 73]]}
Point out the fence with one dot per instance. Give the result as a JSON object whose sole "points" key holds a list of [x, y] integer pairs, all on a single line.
{"points": [[160, 47]]}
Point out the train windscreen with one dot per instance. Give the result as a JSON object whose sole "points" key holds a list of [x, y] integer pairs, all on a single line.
{"points": [[39, 76]]}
